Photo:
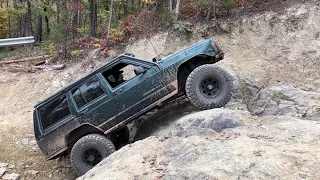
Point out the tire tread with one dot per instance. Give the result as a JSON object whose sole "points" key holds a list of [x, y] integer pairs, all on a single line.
{"points": [[192, 96], [98, 138]]}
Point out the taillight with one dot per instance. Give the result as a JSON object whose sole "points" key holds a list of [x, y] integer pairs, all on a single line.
{"points": [[215, 47]]}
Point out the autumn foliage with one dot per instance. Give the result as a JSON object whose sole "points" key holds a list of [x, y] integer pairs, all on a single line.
{"points": [[3, 22]]}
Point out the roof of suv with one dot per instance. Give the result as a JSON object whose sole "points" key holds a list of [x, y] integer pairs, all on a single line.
{"points": [[85, 77]]}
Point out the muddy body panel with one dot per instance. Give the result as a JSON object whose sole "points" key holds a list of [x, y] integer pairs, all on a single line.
{"points": [[94, 100]]}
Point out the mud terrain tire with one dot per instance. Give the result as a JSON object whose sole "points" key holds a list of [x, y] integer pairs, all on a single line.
{"points": [[89, 151], [209, 86]]}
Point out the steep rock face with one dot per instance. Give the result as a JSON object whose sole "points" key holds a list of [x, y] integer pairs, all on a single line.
{"points": [[273, 148], [286, 100]]}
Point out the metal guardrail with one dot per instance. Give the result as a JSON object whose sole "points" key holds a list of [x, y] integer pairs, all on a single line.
{"points": [[16, 41]]}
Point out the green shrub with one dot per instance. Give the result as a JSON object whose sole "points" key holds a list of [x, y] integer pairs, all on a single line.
{"points": [[75, 53], [3, 55], [49, 47], [229, 4], [182, 27]]}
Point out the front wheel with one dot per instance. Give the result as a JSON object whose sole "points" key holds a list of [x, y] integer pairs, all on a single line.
{"points": [[89, 151], [209, 86]]}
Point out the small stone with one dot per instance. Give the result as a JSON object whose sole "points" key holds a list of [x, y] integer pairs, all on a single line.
{"points": [[50, 175], [35, 148], [252, 165], [89, 174], [223, 121], [68, 166], [3, 165], [32, 142], [11, 176], [25, 141], [21, 164], [2, 171], [11, 166], [32, 172], [165, 163]]}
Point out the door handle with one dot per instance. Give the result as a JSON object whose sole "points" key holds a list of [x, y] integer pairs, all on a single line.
{"points": [[84, 111]]}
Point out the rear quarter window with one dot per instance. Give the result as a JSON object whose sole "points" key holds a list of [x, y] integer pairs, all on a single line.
{"points": [[54, 111], [87, 92]]}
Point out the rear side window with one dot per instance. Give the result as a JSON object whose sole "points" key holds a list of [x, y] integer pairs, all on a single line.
{"points": [[54, 111], [87, 92]]}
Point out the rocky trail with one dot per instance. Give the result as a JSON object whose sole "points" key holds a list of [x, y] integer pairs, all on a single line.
{"points": [[225, 143], [270, 129]]}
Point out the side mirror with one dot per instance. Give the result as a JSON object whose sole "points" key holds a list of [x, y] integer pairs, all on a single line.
{"points": [[129, 54], [139, 70]]}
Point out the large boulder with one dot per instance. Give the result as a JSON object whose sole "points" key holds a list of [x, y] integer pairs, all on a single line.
{"points": [[274, 148], [286, 100], [205, 122]]}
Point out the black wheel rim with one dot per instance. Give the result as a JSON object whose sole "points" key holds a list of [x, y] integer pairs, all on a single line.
{"points": [[91, 157], [210, 87]]}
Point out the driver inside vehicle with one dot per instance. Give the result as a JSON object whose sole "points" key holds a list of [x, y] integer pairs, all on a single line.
{"points": [[116, 79]]}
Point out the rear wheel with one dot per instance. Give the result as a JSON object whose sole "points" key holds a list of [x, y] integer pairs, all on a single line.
{"points": [[89, 151], [209, 86]]}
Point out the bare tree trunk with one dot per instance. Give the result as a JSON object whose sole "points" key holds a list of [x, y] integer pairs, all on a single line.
{"points": [[115, 11], [58, 12], [95, 17], [212, 8], [170, 5], [75, 24], [110, 20], [160, 5], [65, 24], [9, 21], [38, 34], [245, 6], [27, 21], [177, 10], [139, 5], [125, 8], [80, 19], [132, 6], [91, 23], [92, 17], [47, 23], [15, 6]]}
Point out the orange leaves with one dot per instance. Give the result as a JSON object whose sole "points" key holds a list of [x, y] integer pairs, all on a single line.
{"points": [[239, 2]]}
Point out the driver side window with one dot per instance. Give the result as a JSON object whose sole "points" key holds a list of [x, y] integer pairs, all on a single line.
{"points": [[120, 74]]}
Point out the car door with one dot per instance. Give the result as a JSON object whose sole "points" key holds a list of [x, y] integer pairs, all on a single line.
{"points": [[137, 93], [94, 101]]}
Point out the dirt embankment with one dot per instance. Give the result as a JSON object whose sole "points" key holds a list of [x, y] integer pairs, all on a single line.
{"points": [[269, 48]]}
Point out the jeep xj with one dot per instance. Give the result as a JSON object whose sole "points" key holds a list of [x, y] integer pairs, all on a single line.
{"points": [[88, 118]]}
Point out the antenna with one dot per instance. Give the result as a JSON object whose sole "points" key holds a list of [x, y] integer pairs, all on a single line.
{"points": [[153, 48]]}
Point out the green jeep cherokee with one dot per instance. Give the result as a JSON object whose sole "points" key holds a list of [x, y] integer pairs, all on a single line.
{"points": [[89, 117]]}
